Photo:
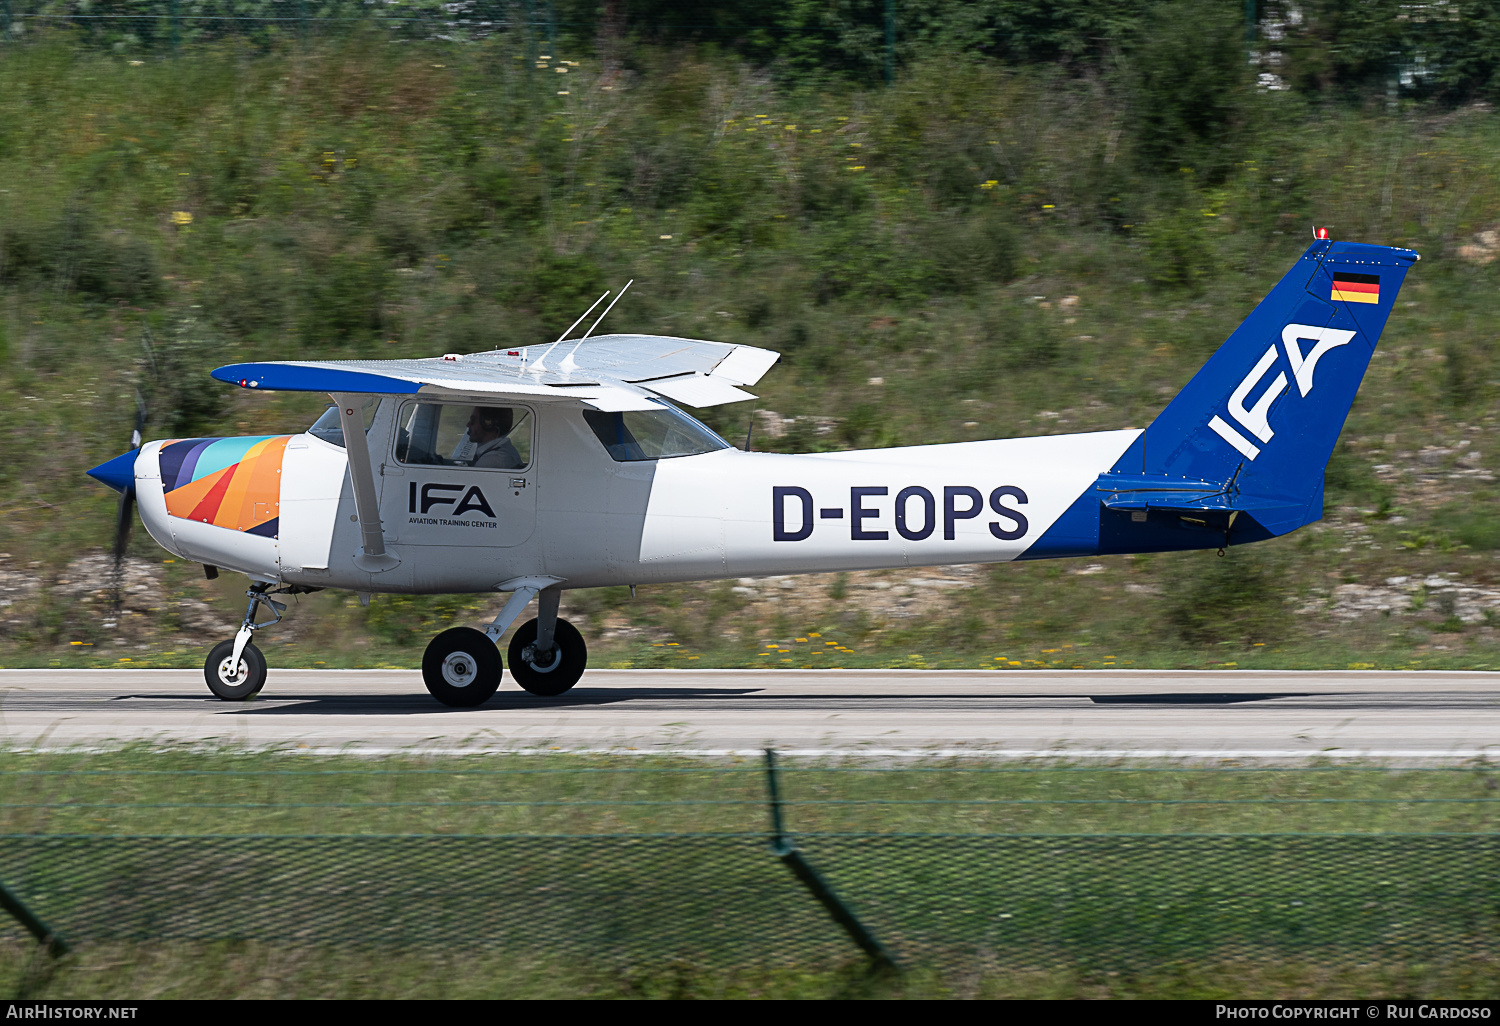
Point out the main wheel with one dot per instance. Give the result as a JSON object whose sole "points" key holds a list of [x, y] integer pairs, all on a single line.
{"points": [[461, 667], [548, 673], [235, 684]]}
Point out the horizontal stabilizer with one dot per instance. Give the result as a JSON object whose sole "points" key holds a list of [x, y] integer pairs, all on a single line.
{"points": [[1138, 508]]}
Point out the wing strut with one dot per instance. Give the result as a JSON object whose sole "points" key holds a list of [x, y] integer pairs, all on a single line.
{"points": [[372, 557]]}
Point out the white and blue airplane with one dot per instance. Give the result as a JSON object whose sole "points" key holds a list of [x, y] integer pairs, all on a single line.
{"points": [[572, 465]]}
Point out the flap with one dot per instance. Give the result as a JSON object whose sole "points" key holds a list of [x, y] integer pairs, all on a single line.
{"points": [[620, 400], [697, 390]]}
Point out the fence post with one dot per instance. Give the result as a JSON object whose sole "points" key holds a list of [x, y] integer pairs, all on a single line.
{"points": [[4, 19], [890, 41], [790, 857], [45, 935], [528, 30], [302, 22], [176, 27]]}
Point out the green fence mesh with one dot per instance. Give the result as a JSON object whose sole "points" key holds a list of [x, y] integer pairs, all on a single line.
{"points": [[1109, 900]]}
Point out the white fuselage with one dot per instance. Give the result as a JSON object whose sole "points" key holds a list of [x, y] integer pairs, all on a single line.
{"points": [[577, 515]]}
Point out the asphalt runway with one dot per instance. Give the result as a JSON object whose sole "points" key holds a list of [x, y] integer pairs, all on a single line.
{"points": [[1400, 717]]}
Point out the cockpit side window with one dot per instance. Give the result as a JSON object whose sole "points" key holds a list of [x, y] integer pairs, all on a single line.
{"points": [[453, 435], [637, 435]]}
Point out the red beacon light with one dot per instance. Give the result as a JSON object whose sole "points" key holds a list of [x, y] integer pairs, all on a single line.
{"points": [[1320, 233]]}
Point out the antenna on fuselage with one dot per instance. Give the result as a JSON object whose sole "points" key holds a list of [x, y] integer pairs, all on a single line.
{"points": [[541, 364], [568, 363], [605, 314]]}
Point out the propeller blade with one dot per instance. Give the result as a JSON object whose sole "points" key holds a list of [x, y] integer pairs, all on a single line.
{"points": [[140, 421], [123, 515], [125, 512], [124, 519]]}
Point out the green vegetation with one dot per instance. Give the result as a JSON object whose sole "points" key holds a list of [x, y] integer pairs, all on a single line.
{"points": [[143, 790], [277, 970], [1002, 243]]}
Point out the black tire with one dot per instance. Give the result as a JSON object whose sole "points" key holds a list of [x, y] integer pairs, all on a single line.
{"points": [[561, 672], [246, 683], [461, 667]]}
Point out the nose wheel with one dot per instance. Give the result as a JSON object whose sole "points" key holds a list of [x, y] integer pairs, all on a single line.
{"points": [[461, 667], [235, 682]]}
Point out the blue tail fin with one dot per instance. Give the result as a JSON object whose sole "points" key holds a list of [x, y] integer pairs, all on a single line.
{"points": [[1258, 423]]}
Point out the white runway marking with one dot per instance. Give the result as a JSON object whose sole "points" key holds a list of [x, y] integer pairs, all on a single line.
{"points": [[1255, 716]]}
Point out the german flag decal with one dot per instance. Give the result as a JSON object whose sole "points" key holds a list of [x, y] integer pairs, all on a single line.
{"points": [[1356, 288]]}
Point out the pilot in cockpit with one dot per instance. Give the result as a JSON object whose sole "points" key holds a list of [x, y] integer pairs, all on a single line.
{"points": [[488, 429]]}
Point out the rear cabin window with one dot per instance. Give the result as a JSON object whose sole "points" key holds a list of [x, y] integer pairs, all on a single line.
{"points": [[658, 434], [451, 435]]}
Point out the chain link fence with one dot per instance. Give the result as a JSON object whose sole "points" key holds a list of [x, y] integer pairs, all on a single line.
{"points": [[1402, 868]]}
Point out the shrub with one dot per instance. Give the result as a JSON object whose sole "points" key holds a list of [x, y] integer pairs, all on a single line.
{"points": [[1235, 599], [1189, 81]]}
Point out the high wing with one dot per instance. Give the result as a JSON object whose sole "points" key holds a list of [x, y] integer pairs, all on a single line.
{"points": [[609, 372]]}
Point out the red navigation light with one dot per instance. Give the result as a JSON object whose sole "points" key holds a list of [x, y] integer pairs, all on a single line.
{"points": [[1320, 233], [244, 383]]}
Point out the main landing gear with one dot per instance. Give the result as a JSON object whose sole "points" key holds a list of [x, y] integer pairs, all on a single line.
{"points": [[551, 670], [547, 655], [461, 667]]}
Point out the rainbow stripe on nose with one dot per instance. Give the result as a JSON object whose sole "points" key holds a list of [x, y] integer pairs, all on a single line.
{"points": [[228, 482]]}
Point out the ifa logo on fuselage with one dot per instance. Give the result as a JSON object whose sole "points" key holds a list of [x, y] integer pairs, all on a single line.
{"points": [[1254, 416], [914, 514], [423, 502]]}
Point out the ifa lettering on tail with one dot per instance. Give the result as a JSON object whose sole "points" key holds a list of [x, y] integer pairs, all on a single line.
{"points": [[1254, 414]]}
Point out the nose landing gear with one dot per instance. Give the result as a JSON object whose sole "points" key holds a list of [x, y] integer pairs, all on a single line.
{"points": [[236, 670]]}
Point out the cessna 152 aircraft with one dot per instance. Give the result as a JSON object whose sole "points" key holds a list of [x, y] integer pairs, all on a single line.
{"points": [[572, 465]]}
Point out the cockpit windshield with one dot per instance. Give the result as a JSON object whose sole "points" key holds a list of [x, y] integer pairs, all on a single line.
{"points": [[658, 434], [328, 428]]}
